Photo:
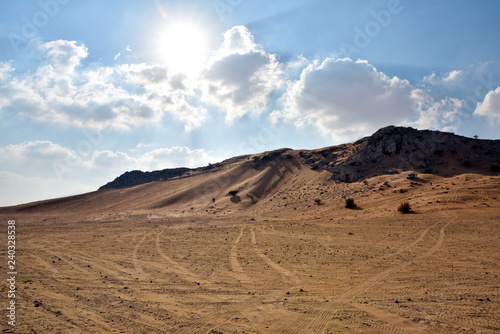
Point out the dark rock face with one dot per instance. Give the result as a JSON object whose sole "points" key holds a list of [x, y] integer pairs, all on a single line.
{"points": [[394, 149], [136, 177]]}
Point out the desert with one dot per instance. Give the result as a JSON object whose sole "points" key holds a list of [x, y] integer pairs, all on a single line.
{"points": [[249, 167], [265, 244]]}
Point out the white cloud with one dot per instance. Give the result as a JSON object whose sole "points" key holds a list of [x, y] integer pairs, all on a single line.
{"points": [[237, 40], [5, 70], [241, 75], [445, 78], [490, 106], [34, 157], [443, 115], [192, 117], [453, 76], [177, 156], [348, 99], [63, 55], [119, 97], [102, 97], [95, 103], [143, 74], [155, 159]]}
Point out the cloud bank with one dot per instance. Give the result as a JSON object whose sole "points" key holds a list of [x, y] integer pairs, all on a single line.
{"points": [[342, 98]]}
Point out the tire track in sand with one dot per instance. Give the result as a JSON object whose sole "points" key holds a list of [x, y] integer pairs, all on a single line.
{"points": [[177, 268], [135, 259], [236, 268], [283, 271], [323, 315]]}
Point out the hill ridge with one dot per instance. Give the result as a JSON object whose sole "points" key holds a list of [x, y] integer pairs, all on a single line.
{"points": [[391, 148]]}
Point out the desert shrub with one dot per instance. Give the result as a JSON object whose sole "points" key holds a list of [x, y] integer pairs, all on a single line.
{"points": [[495, 168], [404, 207], [233, 192], [349, 203], [317, 201]]}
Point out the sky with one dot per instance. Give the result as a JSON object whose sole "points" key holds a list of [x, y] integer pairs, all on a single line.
{"points": [[91, 89]]}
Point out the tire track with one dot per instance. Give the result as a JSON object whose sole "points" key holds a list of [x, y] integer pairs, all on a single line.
{"points": [[399, 324], [135, 259], [72, 266], [226, 317], [480, 325], [65, 302], [271, 263], [236, 268], [177, 268], [104, 266], [44, 263], [320, 315]]}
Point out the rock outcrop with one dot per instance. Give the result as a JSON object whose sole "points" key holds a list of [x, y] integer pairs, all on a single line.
{"points": [[395, 149]]}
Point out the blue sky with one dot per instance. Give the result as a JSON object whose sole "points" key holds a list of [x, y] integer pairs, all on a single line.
{"points": [[91, 89]]}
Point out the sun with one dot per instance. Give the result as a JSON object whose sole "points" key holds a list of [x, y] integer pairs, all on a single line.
{"points": [[182, 46]]}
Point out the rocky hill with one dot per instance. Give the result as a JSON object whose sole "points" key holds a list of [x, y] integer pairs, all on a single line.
{"points": [[137, 177], [394, 149], [388, 151]]}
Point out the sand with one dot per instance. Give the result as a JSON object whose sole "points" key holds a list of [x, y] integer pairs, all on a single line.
{"points": [[153, 260]]}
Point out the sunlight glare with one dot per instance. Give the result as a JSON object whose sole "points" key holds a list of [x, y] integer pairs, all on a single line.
{"points": [[183, 48]]}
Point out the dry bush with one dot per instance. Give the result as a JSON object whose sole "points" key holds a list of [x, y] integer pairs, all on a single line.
{"points": [[404, 207]]}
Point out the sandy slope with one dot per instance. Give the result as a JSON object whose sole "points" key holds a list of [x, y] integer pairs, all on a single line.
{"points": [[164, 258]]}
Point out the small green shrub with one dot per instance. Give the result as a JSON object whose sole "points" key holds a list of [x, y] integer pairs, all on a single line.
{"points": [[349, 203], [317, 201], [404, 207]]}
